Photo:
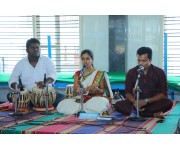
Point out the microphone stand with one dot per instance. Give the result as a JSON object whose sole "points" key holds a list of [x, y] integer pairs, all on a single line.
{"points": [[137, 89], [16, 113], [82, 114], [81, 100], [47, 112], [82, 91]]}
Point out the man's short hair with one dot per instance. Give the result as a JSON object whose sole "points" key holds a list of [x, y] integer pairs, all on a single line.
{"points": [[145, 50], [32, 40]]}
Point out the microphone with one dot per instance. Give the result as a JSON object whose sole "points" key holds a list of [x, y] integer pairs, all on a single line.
{"points": [[141, 69], [81, 74], [20, 85], [82, 70]]}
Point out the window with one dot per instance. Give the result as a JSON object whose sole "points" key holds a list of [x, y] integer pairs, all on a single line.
{"points": [[14, 31], [172, 28], [62, 30]]}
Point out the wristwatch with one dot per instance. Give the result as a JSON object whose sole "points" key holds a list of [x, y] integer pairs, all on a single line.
{"points": [[146, 100]]}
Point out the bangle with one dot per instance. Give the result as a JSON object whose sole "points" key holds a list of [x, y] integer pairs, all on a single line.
{"points": [[146, 100]]}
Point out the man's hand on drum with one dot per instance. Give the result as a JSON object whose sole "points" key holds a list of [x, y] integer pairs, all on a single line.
{"points": [[15, 85], [40, 84]]}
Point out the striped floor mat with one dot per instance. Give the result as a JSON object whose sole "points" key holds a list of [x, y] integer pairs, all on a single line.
{"points": [[35, 123]]}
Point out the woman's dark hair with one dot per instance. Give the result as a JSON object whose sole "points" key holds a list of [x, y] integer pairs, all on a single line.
{"points": [[89, 52], [30, 41], [145, 50]]}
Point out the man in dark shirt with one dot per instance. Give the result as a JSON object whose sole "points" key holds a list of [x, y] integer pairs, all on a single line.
{"points": [[153, 101]]}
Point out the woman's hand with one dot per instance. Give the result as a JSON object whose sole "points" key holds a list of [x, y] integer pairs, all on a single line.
{"points": [[94, 89], [78, 91]]}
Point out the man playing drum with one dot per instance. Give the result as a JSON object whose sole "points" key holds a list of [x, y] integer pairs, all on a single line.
{"points": [[32, 70]]}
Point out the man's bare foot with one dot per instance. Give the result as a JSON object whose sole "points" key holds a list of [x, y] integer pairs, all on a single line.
{"points": [[159, 115]]}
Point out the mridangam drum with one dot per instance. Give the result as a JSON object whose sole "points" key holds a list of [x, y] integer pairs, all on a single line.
{"points": [[23, 100], [69, 90], [39, 95]]}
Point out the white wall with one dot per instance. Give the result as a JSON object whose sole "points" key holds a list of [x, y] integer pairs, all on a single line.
{"points": [[94, 35], [142, 30], [145, 31]]}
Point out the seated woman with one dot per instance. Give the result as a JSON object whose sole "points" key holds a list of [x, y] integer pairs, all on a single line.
{"points": [[96, 86]]}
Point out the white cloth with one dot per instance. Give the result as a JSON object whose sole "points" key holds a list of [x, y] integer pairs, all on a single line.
{"points": [[29, 75], [68, 107], [95, 104]]}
